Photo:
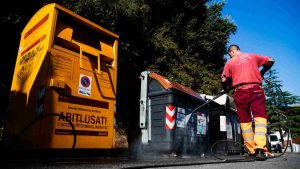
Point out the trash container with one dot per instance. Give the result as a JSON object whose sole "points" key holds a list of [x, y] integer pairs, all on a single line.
{"points": [[224, 125], [167, 119], [66, 65]]}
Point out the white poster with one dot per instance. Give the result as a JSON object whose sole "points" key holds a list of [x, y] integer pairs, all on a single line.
{"points": [[201, 124], [238, 128], [85, 85], [222, 123], [229, 130], [180, 120]]}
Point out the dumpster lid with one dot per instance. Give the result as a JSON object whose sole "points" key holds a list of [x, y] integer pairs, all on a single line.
{"points": [[222, 100], [173, 85]]}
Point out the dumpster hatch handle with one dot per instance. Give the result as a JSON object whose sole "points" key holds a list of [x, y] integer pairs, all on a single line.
{"points": [[90, 50]]}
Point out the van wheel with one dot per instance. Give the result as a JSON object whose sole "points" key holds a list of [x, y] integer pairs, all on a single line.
{"points": [[279, 149]]}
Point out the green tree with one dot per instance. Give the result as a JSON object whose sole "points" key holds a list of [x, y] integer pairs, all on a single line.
{"points": [[190, 47], [294, 116], [278, 105]]}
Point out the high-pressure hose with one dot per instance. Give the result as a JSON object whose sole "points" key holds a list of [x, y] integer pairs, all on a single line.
{"points": [[214, 98], [10, 146]]}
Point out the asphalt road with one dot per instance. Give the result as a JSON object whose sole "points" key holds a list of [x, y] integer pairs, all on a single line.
{"points": [[287, 161]]}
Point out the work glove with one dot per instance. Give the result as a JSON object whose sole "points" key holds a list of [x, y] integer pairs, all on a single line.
{"points": [[262, 73]]}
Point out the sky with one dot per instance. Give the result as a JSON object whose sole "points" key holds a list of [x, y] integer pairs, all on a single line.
{"points": [[270, 28]]}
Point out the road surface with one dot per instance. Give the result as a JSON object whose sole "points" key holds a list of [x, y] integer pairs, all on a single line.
{"points": [[287, 161]]}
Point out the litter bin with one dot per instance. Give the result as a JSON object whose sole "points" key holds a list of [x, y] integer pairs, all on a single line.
{"points": [[66, 65], [166, 119]]}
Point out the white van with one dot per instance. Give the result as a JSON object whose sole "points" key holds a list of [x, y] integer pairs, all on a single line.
{"points": [[275, 143]]}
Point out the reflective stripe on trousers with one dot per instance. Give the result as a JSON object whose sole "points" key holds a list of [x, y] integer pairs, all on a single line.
{"points": [[260, 137], [248, 136]]}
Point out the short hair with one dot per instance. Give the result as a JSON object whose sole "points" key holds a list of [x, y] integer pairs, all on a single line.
{"points": [[232, 47]]}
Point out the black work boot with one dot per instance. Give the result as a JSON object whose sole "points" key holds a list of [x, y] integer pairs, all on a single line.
{"points": [[260, 155]]}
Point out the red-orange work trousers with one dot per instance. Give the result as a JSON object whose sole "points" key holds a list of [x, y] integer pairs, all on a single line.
{"points": [[251, 102]]}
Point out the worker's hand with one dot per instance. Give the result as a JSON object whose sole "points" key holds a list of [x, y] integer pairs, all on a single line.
{"points": [[225, 84], [223, 79], [266, 67], [225, 87]]}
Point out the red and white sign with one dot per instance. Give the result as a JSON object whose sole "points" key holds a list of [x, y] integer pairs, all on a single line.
{"points": [[170, 117], [85, 85]]}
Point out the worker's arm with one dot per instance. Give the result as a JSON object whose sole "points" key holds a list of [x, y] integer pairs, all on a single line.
{"points": [[225, 84], [226, 78], [267, 66]]}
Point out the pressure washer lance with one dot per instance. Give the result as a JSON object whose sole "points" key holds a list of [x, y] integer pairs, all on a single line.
{"points": [[225, 90], [221, 93]]}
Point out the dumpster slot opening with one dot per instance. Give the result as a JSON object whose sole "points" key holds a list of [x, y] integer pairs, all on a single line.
{"points": [[72, 35], [66, 44], [92, 63]]}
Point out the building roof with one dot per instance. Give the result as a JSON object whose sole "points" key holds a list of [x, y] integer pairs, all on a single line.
{"points": [[173, 85]]}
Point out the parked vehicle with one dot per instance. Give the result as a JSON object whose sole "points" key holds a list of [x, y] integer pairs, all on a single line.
{"points": [[275, 144]]}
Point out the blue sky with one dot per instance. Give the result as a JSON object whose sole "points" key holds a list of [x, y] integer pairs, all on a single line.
{"points": [[270, 28]]}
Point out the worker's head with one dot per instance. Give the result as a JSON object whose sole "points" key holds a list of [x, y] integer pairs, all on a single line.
{"points": [[233, 50]]}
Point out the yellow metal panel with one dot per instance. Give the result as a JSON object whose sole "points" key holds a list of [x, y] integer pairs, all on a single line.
{"points": [[107, 50], [57, 83], [91, 114], [34, 44], [65, 33]]}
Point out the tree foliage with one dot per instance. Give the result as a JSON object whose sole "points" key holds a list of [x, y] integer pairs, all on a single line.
{"points": [[294, 116], [279, 104]]}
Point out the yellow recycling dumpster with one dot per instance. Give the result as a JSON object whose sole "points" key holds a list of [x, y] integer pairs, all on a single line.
{"points": [[66, 65]]}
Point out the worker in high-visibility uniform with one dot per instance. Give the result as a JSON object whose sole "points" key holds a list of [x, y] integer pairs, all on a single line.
{"points": [[249, 97]]}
